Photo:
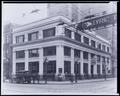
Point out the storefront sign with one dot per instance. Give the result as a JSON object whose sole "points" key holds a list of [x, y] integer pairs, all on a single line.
{"points": [[98, 22]]}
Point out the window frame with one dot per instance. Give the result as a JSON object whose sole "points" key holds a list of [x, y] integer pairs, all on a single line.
{"points": [[20, 52], [30, 36], [48, 53], [67, 51], [85, 40], [18, 39], [30, 52], [46, 31]]}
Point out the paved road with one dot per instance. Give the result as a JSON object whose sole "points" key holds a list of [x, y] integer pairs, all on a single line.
{"points": [[82, 87]]}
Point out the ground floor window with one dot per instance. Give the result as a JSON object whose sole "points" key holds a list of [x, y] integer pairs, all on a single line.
{"points": [[85, 68], [50, 67], [92, 69], [67, 67], [34, 67], [20, 66], [98, 69], [77, 68]]}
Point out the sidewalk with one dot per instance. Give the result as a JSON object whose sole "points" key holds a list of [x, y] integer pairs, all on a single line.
{"points": [[80, 81]]}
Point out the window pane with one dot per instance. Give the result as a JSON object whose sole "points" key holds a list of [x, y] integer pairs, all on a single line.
{"points": [[92, 43], [85, 55], [98, 69], [20, 39], [34, 67], [33, 52], [67, 33], [103, 47], [107, 49], [76, 53], [67, 51], [99, 46], [78, 37], [50, 68], [85, 68], [98, 58], [86, 40], [20, 54], [20, 66], [47, 51], [33, 36], [49, 32], [67, 67]]}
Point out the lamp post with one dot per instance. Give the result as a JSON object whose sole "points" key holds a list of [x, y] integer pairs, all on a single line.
{"points": [[76, 69], [45, 62]]}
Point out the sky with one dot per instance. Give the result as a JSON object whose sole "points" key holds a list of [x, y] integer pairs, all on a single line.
{"points": [[21, 13]]}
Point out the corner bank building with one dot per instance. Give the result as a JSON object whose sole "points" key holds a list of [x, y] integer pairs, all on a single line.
{"points": [[67, 51]]}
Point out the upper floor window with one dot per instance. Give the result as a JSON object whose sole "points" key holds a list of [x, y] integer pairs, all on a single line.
{"points": [[92, 43], [103, 47], [67, 51], [86, 40], [76, 53], [98, 58], [85, 55], [77, 37], [33, 52], [33, 36], [99, 46], [20, 54], [103, 59], [107, 49], [20, 39], [49, 32], [68, 33], [107, 60], [48, 51]]}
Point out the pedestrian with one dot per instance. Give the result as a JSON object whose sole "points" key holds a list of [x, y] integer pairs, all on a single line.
{"points": [[75, 78], [71, 78]]}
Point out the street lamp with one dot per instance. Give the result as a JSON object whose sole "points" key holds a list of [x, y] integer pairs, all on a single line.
{"points": [[45, 62], [76, 69]]}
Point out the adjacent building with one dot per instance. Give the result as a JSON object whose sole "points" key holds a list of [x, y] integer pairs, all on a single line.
{"points": [[68, 51], [7, 50]]}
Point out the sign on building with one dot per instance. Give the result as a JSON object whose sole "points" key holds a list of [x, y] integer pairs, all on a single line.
{"points": [[98, 22]]}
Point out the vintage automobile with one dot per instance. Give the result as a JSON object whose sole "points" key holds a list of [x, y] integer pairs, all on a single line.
{"points": [[25, 77]]}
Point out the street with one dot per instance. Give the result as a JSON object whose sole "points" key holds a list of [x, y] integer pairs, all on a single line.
{"points": [[99, 86]]}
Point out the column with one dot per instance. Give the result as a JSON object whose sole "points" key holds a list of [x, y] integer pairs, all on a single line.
{"points": [[14, 39], [81, 64], [72, 61], [82, 38], [26, 37], [14, 63], [26, 60], [73, 37], [89, 63], [40, 34], [95, 68], [60, 59], [101, 65], [41, 61]]}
